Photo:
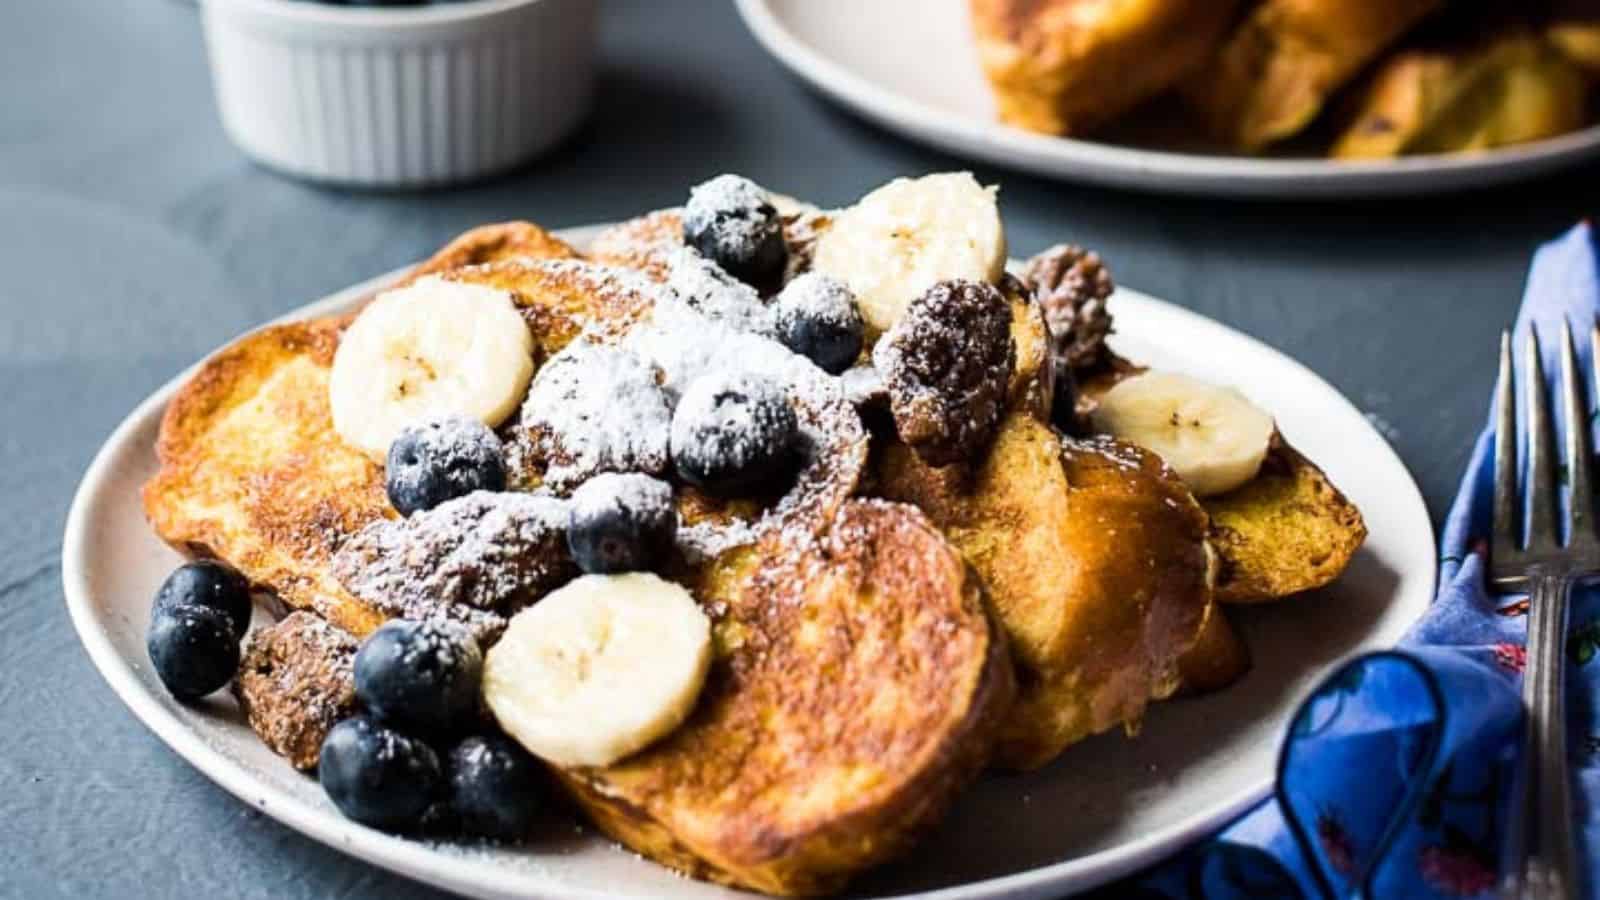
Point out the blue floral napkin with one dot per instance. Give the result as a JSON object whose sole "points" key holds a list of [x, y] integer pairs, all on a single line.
{"points": [[1394, 778]]}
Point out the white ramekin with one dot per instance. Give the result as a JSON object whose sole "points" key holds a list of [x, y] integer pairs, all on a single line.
{"points": [[399, 96]]}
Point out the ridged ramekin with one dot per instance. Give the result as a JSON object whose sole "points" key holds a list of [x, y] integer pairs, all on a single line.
{"points": [[399, 96]]}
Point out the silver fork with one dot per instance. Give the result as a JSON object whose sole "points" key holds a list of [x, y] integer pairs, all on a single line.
{"points": [[1541, 859]]}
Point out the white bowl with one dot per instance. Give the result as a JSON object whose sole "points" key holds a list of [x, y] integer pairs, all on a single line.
{"points": [[399, 96]]}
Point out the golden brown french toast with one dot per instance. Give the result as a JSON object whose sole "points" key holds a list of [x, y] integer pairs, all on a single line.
{"points": [[858, 685], [1218, 658], [1069, 66], [1277, 69], [253, 473], [1094, 556], [1286, 531], [499, 242], [1472, 94]]}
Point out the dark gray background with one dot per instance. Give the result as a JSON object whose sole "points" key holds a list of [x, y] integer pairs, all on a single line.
{"points": [[134, 238]]}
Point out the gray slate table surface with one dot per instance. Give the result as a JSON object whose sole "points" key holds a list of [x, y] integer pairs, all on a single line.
{"points": [[134, 238]]}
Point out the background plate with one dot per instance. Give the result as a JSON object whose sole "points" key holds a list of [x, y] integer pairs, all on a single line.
{"points": [[1107, 807], [910, 66]]}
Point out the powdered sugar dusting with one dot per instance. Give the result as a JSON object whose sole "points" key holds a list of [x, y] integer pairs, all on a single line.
{"points": [[717, 295], [686, 345], [473, 560], [733, 213], [596, 408], [679, 342]]}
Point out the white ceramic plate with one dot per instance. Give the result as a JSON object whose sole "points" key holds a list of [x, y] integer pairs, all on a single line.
{"points": [[910, 66], [1107, 807]]}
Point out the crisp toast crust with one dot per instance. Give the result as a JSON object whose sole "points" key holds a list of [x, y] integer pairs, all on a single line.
{"points": [[252, 472], [1284, 532], [859, 684], [1094, 557], [494, 243], [1069, 66]]}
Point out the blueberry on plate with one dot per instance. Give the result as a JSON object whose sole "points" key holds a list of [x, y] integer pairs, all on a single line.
{"points": [[733, 433], [441, 459], [733, 223], [378, 776], [420, 675], [621, 523], [195, 649], [494, 787], [818, 319], [210, 584]]}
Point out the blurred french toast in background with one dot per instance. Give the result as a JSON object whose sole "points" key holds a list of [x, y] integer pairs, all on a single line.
{"points": [[1069, 66], [1349, 79]]}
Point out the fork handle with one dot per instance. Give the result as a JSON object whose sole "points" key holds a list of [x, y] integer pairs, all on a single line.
{"points": [[1542, 861]]}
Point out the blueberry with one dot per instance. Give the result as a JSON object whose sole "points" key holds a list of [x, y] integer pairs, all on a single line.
{"points": [[494, 786], [733, 432], [621, 523], [210, 584], [194, 649], [441, 459], [731, 222], [378, 776], [420, 676], [818, 319]]}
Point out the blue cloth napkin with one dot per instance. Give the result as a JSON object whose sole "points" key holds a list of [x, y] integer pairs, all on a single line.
{"points": [[1394, 778]]}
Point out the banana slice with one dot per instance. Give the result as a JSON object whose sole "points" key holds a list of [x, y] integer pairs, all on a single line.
{"points": [[1212, 436], [433, 347], [599, 669], [909, 234]]}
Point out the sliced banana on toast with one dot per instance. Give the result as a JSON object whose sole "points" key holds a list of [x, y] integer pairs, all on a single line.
{"points": [[1211, 435], [434, 347], [904, 237], [599, 669]]}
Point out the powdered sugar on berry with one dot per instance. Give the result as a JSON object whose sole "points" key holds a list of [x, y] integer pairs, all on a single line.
{"points": [[734, 211]]}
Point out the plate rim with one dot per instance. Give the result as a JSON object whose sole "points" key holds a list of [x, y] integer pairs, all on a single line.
{"points": [[1161, 171], [420, 861]]}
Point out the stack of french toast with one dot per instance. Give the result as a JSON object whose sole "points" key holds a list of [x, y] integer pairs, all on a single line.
{"points": [[1352, 79], [764, 529]]}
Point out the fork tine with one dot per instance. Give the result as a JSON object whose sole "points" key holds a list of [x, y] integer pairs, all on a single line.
{"points": [[1507, 537], [1580, 461], [1541, 454]]}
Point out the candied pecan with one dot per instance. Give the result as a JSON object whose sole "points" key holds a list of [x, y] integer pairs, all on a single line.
{"points": [[947, 363], [1072, 284]]}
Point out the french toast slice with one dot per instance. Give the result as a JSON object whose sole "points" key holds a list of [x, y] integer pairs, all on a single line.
{"points": [[499, 242], [1274, 73], [253, 473], [1218, 658], [1095, 560], [1286, 531], [859, 683], [1068, 66], [1465, 94]]}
